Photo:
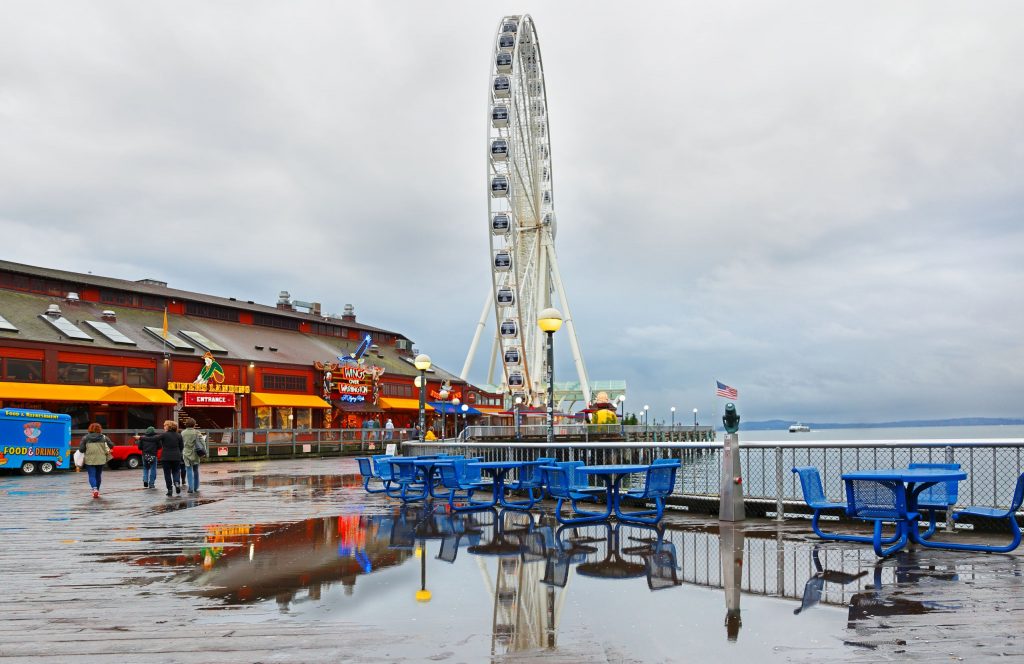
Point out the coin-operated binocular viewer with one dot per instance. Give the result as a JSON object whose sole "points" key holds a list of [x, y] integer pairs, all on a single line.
{"points": [[731, 506]]}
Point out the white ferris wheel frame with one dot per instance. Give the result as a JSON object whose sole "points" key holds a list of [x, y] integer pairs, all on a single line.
{"points": [[528, 244]]}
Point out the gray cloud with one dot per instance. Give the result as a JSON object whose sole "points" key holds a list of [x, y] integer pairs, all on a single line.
{"points": [[817, 204]]}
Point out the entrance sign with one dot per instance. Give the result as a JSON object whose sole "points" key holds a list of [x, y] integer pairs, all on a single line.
{"points": [[207, 387], [201, 400]]}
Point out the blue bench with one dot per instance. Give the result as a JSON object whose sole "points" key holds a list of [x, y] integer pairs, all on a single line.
{"points": [[371, 469], [564, 484], [941, 496], [1009, 515], [659, 483], [460, 477], [814, 496]]}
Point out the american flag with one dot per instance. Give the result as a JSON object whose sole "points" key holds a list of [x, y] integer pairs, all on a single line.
{"points": [[726, 391]]}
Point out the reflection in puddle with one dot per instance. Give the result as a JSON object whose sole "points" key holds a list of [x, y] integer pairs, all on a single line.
{"points": [[182, 504], [544, 583]]}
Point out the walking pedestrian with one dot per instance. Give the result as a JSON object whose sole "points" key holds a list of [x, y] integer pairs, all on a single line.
{"points": [[190, 456], [149, 444], [171, 446], [96, 448], [389, 429]]}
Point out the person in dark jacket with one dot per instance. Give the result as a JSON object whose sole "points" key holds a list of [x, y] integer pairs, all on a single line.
{"points": [[95, 446], [149, 444], [171, 447]]}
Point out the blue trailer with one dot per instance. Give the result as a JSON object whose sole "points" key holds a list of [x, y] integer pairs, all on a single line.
{"points": [[34, 441]]}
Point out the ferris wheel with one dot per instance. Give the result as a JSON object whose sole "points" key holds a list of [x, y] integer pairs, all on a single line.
{"points": [[521, 218]]}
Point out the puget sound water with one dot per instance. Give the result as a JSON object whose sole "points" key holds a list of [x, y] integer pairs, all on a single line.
{"points": [[895, 433]]}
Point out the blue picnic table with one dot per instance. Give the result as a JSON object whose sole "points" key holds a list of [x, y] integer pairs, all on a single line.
{"points": [[499, 471], [890, 496]]}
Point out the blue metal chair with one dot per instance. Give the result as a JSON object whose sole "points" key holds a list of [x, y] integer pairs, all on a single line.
{"points": [[408, 477], [458, 476], [659, 484], [530, 478], [814, 496], [993, 513], [563, 486], [881, 501], [941, 496], [369, 469]]}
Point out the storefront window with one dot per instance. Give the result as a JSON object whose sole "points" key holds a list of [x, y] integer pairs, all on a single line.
{"points": [[263, 417], [303, 418], [107, 375], [283, 418], [140, 417], [71, 372], [141, 377], [24, 370], [79, 415]]}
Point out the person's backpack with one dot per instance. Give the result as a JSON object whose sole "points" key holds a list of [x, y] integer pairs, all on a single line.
{"points": [[200, 445]]}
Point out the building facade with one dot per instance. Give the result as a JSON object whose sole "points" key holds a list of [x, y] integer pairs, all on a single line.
{"points": [[130, 354]]}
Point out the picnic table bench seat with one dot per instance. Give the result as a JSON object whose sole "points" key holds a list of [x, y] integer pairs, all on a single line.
{"points": [[1009, 515], [814, 496]]}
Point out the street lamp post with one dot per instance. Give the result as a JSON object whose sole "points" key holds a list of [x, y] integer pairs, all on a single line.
{"points": [[518, 402], [622, 417], [549, 321], [422, 363], [673, 409], [694, 419], [455, 416], [465, 410], [442, 397]]}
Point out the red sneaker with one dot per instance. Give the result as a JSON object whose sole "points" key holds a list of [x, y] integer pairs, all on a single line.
{"points": [[95, 493]]}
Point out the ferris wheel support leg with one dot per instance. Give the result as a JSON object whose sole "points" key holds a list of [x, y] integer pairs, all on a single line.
{"points": [[574, 344], [476, 335], [494, 359]]}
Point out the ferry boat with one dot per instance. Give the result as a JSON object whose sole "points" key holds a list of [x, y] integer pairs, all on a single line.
{"points": [[799, 428]]}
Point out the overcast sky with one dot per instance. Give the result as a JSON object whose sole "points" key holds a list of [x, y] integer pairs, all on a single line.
{"points": [[819, 204]]}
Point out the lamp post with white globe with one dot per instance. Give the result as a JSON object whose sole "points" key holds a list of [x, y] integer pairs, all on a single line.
{"points": [[422, 363]]}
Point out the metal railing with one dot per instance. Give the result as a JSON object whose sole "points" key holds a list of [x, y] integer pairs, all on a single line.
{"points": [[589, 432], [279, 443], [992, 466]]}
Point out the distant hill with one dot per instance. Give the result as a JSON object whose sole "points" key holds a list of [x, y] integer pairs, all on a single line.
{"points": [[777, 425]]}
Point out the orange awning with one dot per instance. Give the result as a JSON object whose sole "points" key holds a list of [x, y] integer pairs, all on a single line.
{"points": [[83, 394], [281, 400], [492, 410]]}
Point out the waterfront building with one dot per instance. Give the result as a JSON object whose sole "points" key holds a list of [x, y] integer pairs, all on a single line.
{"points": [[130, 354]]}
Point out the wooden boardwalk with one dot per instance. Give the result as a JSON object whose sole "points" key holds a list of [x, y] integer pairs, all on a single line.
{"points": [[74, 589]]}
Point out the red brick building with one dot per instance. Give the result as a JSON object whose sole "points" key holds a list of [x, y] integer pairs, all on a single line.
{"points": [[94, 347]]}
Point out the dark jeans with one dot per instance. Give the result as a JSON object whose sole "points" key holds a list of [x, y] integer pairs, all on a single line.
{"points": [[95, 476], [172, 474]]}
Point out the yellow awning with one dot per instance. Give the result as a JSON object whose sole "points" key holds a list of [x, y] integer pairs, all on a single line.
{"points": [[492, 410], [83, 394], [156, 396], [397, 403], [281, 400]]}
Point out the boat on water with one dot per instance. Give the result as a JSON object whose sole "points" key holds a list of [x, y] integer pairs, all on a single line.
{"points": [[799, 428]]}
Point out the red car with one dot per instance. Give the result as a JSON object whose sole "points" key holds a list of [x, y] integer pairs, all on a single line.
{"points": [[127, 456]]}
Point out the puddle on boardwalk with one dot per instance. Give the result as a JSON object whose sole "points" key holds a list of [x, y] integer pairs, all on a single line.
{"points": [[511, 582], [495, 583]]}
